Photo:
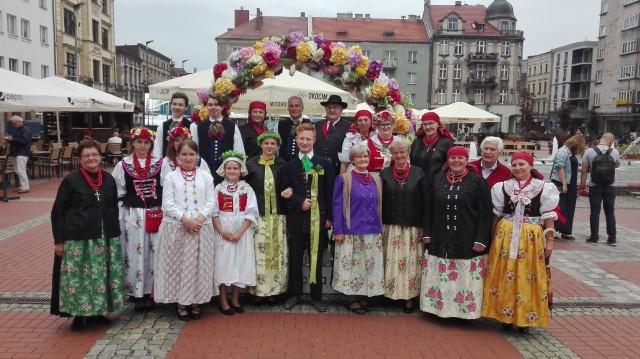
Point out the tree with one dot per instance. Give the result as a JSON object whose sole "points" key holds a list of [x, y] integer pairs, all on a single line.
{"points": [[527, 115], [593, 124], [564, 114]]}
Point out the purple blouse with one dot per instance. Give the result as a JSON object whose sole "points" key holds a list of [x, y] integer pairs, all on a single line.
{"points": [[365, 218]]}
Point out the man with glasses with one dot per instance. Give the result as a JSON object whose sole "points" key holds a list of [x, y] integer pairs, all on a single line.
{"points": [[331, 132]]}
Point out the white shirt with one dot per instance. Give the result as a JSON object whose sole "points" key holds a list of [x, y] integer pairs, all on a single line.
{"points": [[300, 155], [187, 198], [237, 138], [486, 172]]}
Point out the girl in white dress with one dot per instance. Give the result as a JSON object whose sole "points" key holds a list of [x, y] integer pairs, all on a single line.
{"points": [[235, 215]]}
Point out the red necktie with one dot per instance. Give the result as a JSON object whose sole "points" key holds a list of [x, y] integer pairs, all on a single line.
{"points": [[329, 129]]}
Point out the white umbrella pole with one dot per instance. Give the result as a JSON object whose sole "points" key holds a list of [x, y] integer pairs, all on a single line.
{"points": [[58, 125]]}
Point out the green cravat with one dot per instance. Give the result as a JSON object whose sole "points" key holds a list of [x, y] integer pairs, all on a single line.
{"points": [[306, 163]]}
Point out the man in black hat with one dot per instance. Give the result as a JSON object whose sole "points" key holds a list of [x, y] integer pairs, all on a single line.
{"points": [[331, 132]]}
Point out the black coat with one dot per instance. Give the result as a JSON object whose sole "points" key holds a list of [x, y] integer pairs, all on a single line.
{"points": [[77, 214], [21, 142], [255, 179], [293, 176], [330, 147], [288, 149], [431, 161], [404, 205], [250, 140], [458, 216]]}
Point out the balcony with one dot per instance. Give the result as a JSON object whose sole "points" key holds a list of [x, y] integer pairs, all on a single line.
{"points": [[514, 34], [482, 58], [390, 64], [581, 78], [482, 82], [579, 95]]}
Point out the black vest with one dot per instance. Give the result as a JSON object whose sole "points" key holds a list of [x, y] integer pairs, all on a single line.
{"points": [[150, 188], [211, 149]]}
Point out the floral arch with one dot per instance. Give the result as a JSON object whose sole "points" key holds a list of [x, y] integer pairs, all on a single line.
{"points": [[344, 67]]}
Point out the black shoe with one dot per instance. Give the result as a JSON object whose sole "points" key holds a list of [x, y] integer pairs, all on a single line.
{"points": [[77, 324], [239, 309], [408, 310], [98, 319], [229, 311], [291, 302], [183, 313], [354, 307], [569, 237], [194, 313], [593, 242], [506, 327], [320, 307], [611, 242], [523, 330]]}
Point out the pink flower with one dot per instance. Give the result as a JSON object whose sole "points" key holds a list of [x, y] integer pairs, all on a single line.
{"points": [[412, 284], [469, 297], [442, 268], [452, 266], [424, 262], [271, 58], [473, 267], [471, 307], [453, 276], [439, 304], [431, 293], [481, 264], [459, 298]]}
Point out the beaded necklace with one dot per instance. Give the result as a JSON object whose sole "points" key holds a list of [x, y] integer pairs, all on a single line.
{"points": [[453, 178], [142, 171], [188, 175], [95, 185], [401, 175], [364, 178]]}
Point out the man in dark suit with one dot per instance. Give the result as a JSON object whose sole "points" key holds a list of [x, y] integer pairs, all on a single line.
{"points": [[307, 186], [331, 132], [488, 165], [179, 104], [287, 129]]}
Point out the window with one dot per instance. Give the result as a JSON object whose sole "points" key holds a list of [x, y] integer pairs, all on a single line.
{"points": [[69, 22], [604, 7], [412, 97], [106, 74], [627, 72], [43, 3], [506, 48], [411, 78], [442, 73], [603, 31], [413, 57], [71, 65], [529, 70], [452, 24], [95, 27], [481, 46], [600, 53], [539, 88], [629, 46], [44, 35], [504, 26], [367, 53], [96, 71], [457, 71], [456, 95], [444, 47], [503, 96], [504, 72], [544, 88], [105, 39], [598, 76], [390, 55], [546, 68], [2, 62], [627, 2], [13, 65], [442, 97], [478, 96], [564, 75], [44, 71], [1, 23], [457, 48], [12, 26], [481, 71], [624, 95], [534, 71], [630, 22], [105, 6], [26, 68], [596, 99]]}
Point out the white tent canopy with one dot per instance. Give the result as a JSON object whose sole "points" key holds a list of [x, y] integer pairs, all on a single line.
{"points": [[462, 112], [274, 92], [97, 101]]}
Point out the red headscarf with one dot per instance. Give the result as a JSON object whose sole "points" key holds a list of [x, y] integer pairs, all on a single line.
{"points": [[458, 151], [258, 127], [432, 116], [525, 156], [257, 105], [364, 113]]}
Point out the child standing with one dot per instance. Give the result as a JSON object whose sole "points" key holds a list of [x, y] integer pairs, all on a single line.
{"points": [[234, 218]]}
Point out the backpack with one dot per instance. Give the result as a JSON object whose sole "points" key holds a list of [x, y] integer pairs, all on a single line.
{"points": [[603, 167]]}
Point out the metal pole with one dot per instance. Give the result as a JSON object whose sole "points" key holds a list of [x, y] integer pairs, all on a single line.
{"points": [[628, 93], [76, 65], [146, 82]]}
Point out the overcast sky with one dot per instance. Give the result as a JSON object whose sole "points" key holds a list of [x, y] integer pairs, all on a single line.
{"points": [[186, 29]]}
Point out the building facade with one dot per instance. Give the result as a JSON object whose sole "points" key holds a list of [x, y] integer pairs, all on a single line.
{"points": [[27, 37], [538, 80], [616, 94], [476, 57], [85, 42]]}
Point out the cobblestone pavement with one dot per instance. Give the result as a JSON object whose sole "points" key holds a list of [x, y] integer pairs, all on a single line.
{"points": [[596, 288]]}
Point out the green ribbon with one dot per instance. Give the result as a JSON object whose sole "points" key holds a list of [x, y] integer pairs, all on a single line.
{"points": [[270, 217], [306, 163], [315, 223]]}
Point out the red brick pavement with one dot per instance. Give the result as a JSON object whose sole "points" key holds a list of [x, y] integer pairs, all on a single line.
{"points": [[629, 271], [624, 217], [598, 336], [284, 335]]}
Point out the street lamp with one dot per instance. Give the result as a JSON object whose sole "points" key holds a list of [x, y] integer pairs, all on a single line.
{"points": [[76, 7], [628, 76], [146, 81], [183, 61]]}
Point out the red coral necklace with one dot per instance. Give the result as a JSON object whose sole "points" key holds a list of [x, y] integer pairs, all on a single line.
{"points": [[453, 179], [401, 175], [95, 185], [142, 171], [364, 178], [188, 175]]}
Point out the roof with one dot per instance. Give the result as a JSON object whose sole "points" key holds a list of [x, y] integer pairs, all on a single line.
{"points": [[468, 13], [371, 30], [271, 26], [500, 9]]}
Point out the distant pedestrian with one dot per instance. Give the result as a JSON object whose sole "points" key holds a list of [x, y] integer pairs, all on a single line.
{"points": [[564, 175], [601, 161], [20, 150]]}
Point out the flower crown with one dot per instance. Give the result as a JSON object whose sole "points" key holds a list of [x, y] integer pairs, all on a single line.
{"points": [[142, 133], [234, 154], [179, 132], [266, 135], [385, 116]]}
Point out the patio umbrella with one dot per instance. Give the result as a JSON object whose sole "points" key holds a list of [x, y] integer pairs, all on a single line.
{"points": [[98, 101], [462, 112]]}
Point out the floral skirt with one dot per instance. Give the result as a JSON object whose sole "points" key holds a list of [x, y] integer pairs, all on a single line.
{"points": [[516, 290], [91, 277], [137, 252], [184, 265], [452, 287], [358, 267], [402, 261], [272, 257]]}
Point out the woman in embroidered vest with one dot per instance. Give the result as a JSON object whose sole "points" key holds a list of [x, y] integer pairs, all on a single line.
{"points": [[516, 289], [358, 269], [139, 178], [184, 258], [456, 237], [87, 267], [175, 137], [404, 192], [270, 235], [379, 144], [253, 128], [235, 215], [429, 150], [359, 132]]}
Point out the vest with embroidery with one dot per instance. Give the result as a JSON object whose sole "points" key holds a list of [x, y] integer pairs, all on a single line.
{"points": [[149, 188]]}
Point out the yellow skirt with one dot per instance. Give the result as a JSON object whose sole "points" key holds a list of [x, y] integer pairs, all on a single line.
{"points": [[516, 290]]}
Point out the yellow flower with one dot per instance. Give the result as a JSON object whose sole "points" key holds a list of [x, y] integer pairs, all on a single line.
{"points": [[303, 52], [259, 69], [269, 74], [379, 90], [364, 62], [223, 87], [361, 71], [401, 125], [356, 48], [339, 56], [204, 114], [258, 47]]}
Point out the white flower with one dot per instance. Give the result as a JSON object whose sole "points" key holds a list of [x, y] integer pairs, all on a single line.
{"points": [[382, 79], [234, 57], [292, 69], [255, 59], [317, 54], [229, 74]]}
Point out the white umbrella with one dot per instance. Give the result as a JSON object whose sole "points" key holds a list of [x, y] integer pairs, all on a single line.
{"points": [[462, 112], [98, 101]]}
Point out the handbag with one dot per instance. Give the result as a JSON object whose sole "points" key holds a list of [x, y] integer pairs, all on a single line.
{"points": [[152, 218]]}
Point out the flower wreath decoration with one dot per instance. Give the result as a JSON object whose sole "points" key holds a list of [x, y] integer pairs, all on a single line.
{"points": [[266, 135], [143, 133]]}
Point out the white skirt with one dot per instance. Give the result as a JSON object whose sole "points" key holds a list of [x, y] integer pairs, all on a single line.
{"points": [[138, 248], [235, 263]]}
